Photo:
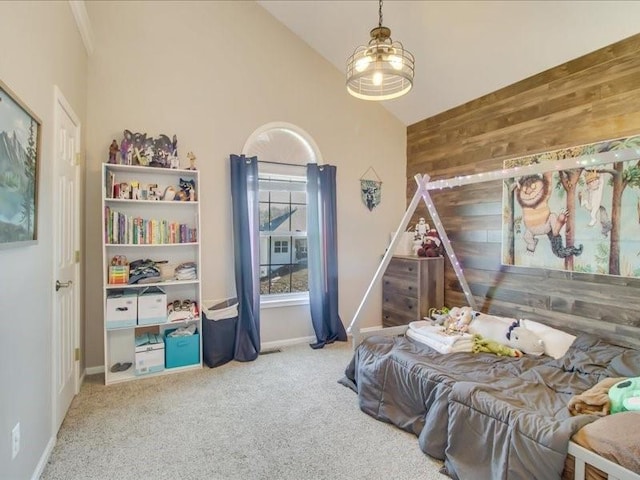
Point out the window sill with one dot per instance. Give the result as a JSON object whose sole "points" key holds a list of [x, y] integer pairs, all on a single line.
{"points": [[284, 300]]}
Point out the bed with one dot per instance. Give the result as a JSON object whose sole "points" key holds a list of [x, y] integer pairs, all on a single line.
{"points": [[486, 416], [490, 417]]}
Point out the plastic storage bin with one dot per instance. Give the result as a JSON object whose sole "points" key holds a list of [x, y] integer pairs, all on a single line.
{"points": [[219, 321], [181, 351]]}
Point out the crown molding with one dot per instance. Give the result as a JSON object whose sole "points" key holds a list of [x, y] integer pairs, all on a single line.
{"points": [[79, 10]]}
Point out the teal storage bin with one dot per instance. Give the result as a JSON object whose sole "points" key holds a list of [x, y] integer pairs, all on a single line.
{"points": [[181, 351]]}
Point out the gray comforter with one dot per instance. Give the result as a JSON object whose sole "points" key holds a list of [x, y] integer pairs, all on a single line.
{"points": [[487, 417]]}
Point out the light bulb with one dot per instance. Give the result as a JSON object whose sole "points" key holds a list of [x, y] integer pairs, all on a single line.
{"points": [[377, 78], [363, 63], [395, 61]]}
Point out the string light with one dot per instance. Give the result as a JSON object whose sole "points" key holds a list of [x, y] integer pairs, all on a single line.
{"points": [[566, 164]]}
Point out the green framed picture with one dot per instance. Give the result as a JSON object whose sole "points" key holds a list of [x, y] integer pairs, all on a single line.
{"points": [[20, 131]]}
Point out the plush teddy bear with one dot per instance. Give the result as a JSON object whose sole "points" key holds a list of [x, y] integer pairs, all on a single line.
{"points": [[431, 245], [490, 346]]}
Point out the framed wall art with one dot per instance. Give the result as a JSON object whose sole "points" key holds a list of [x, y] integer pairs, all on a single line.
{"points": [[19, 164], [580, 220]]}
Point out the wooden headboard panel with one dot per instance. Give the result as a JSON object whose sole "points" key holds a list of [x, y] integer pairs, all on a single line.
{"points": [[592, 98]]}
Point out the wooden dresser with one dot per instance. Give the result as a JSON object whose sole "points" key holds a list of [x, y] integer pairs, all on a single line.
{"points": [[410, 287]]}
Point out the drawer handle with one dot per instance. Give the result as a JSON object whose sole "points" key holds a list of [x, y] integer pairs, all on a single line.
{"points": [[411, 269], [410, 288], [409, 307], [122, 309]]}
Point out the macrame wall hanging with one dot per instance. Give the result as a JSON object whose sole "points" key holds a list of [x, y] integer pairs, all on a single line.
{"points": [[371, 188]]}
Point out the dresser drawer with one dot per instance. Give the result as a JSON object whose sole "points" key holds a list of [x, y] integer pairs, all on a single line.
{"points": [[391, 318], [403, 268], [401, 304], [410, 287], [399, 286]]}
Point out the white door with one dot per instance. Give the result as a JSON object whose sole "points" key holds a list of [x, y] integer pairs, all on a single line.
{"points": [[66, 304]]}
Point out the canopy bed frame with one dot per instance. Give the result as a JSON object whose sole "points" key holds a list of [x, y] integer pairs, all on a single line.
{"points": [[424, 186], [422, 193]]}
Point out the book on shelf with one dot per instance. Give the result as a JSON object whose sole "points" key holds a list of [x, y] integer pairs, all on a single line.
{"points": [[121, 228]]}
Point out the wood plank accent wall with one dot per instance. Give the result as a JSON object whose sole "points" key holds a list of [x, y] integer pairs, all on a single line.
{"points": [[592, 98]]}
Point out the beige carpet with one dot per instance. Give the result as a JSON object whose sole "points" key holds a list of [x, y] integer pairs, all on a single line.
{"points": [[283, 416]]}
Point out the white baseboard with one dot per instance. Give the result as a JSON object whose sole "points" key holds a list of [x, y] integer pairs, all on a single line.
{"points": [[94, 370], [368, 329], [311, 339], [286, 342], [42, 463]]}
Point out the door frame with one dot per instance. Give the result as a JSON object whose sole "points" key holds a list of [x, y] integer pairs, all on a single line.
{"points": [[60, 102]]}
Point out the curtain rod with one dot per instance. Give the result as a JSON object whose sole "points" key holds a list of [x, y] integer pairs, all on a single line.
{"points": [[283, 163]]}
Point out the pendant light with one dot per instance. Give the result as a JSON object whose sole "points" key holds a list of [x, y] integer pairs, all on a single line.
{"points": [[381, 70]]}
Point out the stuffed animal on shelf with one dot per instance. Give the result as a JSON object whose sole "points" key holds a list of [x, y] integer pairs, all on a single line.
{"points": [[458, 320], [187, 191], [525, 340], [490, 346]]}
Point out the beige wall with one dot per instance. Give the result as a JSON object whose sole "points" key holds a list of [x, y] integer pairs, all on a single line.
{"points": [[41, 48], [212, 73]]}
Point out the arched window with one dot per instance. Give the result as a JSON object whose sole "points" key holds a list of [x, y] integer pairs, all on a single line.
{"points": [[283, 150], [282, 143]]}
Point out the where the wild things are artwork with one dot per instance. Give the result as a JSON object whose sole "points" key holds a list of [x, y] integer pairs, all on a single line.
{"points": [[19, 152], [584, 219]]}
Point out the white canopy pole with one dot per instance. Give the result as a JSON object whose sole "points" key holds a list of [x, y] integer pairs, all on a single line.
{"points": [[388, 254], [447, 246]]}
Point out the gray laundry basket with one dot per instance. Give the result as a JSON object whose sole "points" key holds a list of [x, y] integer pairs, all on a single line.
{"points": [[219, 321]]}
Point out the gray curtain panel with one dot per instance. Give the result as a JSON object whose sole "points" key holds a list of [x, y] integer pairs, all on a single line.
{"points": [[246, 238], [323, 254]]}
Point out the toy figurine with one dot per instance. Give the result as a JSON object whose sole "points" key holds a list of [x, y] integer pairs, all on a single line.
{"points": [[126, 148], [113, 151], [422, 227], [192, 161]]}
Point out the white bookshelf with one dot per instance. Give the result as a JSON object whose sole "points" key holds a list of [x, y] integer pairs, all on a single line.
{"points": [[140, 239]]}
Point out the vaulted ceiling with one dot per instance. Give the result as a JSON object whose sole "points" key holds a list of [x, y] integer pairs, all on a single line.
{"points": [[463, 49]]}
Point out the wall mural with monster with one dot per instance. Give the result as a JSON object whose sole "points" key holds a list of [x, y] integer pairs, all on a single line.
{"points": [[583, 219]]}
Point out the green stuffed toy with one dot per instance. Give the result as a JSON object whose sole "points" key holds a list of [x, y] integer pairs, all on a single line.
{"points": [[625, 395], [489, 346]]}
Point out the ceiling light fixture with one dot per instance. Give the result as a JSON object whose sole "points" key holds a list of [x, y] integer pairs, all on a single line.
{"points": [[381, 70]]}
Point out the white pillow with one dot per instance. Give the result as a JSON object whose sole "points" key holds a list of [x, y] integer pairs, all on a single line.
{"points": [[556, 342]]}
